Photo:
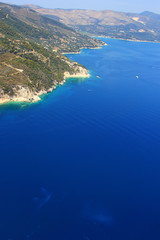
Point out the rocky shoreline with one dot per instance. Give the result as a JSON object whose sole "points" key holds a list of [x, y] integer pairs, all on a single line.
{"points": [[24, 94]]}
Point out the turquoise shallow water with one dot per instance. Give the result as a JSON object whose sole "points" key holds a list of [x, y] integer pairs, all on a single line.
{"points": [[84, 163]]}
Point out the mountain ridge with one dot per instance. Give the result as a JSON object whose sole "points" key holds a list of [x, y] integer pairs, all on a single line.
{"points": [[133, 26]]}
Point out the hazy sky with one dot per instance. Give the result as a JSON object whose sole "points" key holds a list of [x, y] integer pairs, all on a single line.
{"points": [[118, 5]]}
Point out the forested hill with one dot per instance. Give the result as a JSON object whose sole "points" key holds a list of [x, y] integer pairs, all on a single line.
{"points": [[31, 62], [143, 26]]}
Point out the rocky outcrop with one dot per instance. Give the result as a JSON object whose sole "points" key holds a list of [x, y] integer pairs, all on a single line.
{"points": [[81, 73], [23, 94]]}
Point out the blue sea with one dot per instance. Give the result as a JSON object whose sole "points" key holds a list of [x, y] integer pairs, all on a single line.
{"points": [[84, 163]]}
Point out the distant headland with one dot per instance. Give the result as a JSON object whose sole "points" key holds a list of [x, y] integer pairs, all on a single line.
{"points": [[119, 25]]}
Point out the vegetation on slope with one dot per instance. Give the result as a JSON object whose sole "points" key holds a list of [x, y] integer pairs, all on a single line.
{"points": [[29, 64], [30, 50]]}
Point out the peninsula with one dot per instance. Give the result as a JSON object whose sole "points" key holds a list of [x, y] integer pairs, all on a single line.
{"points": [[32, 48]]}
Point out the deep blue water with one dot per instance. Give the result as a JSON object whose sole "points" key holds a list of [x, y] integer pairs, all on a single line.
{"points": [[84, 163]]}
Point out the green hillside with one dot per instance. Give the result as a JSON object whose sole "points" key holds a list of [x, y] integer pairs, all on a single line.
{"points": [[30, 50]]}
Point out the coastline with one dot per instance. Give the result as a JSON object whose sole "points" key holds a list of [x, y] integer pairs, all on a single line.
{"points": [[129, 40], [99, 47], [24, 94], [28, 96]]}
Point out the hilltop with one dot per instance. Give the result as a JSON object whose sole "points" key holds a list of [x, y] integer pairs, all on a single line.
{"points": [[144, 26]]}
